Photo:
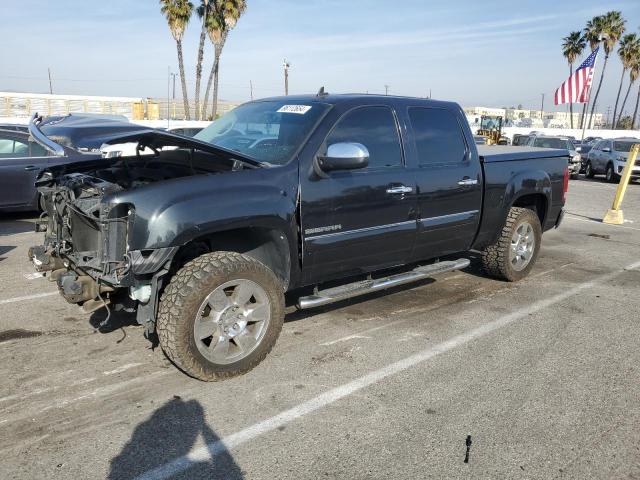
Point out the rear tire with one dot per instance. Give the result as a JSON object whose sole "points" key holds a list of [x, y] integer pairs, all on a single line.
{"points": [[588, 171], [213, 302], [513, 256]]}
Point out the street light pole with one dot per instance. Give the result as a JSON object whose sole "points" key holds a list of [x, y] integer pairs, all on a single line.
{"points": [[286, 66], [386, 89]]}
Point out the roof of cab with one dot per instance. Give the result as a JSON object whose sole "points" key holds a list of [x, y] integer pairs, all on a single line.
{"points": [[365, 98]]}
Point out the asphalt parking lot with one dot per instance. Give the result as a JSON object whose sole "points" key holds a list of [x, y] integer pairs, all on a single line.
{"points": [[544, 375]]}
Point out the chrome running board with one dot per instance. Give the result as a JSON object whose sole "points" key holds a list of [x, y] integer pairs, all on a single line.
{"points": [[335, 294]]}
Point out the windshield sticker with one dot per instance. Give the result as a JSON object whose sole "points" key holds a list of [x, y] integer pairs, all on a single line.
{"points": [[299, 109]]}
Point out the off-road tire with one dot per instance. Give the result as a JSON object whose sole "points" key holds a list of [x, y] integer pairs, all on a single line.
{"points": [[495, 258], [183, 297], [588, 170]]}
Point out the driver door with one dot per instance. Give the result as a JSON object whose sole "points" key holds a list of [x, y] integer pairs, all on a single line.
{"points": [[361, 220]]}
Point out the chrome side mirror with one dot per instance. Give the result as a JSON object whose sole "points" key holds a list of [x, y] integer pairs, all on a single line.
{"points": [[344, 156]]}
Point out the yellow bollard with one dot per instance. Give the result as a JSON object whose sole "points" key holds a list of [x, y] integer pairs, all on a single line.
{"points": [[614, 215]]}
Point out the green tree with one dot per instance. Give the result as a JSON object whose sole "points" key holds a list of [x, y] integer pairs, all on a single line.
{"points": [[608, 28], [222, 18], [572, 47], [178, 13], [628, 52]]}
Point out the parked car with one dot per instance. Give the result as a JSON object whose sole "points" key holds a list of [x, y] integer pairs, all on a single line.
{"points": [[547, 141], [186, 131], [21, 159], [609, 156], [14, 127], [87, 133], [202, 242]]}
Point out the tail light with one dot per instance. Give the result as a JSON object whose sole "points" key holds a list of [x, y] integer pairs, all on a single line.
{"points": [[565, 184]]}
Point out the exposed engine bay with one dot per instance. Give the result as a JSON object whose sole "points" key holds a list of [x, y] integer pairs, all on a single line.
{"points": [[86, 239]]}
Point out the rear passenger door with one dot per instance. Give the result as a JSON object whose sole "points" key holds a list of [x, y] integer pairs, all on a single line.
{"points": [[449, 181]]}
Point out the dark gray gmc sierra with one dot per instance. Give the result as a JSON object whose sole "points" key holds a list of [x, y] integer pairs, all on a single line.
{"points": [[203, 237]]}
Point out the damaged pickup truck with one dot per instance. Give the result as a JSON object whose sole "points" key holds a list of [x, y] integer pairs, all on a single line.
{"points": [[202, 238]]}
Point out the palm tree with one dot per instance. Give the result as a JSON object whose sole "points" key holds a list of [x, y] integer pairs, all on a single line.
{"points": [[610, 28], [178, 13], [635, 110], [572, 47], [627, 52], [203, 13], [223, 16]]}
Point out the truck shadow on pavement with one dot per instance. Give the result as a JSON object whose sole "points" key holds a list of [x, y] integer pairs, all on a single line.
{"points": [[169, 434]]}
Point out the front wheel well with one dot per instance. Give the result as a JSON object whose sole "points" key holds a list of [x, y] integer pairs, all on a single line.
{"points": [[533, 201], [267, 245]]}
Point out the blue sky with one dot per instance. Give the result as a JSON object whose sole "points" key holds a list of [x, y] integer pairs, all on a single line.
{"points": [[497, 53]]}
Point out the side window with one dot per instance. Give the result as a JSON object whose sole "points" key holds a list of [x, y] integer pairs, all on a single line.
{"points": [[438, 136], [13, 148], [373, 127]]}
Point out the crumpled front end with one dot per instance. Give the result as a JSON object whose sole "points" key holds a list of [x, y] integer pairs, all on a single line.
{"points": [[85, 245]]}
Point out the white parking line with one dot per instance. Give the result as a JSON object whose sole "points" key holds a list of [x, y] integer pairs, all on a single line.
{"points": [[574, 217], [210, 450], [27, 297]]}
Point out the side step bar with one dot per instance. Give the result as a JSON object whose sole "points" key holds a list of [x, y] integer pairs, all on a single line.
{"points": [[335, 294]]}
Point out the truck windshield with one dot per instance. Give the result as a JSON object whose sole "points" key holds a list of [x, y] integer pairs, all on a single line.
{"points": [[269, 131]]}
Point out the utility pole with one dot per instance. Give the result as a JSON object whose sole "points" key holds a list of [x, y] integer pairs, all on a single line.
{"points": [[251, 88], [286, 65], [608, 113], [50, 86], [386, 89], [430, 97], [168, 92], [542, 108]]}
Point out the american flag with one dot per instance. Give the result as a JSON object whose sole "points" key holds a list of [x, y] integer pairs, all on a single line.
{"points": [[576, 88]]}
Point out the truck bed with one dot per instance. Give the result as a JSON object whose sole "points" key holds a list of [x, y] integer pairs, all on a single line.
{"points": [[505, 153]]}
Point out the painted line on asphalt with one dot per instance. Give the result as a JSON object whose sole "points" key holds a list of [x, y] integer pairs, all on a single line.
{"points": [[27, 297], [571, 216], [210, 450]]}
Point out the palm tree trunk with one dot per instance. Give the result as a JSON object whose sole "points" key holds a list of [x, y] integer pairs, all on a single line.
{"points": [[185, 99], [615, 124], [595, 98], [216, 70], [571, 103], [216, 73], [615, 108], [635, 111], [203, 36], [205, 102]]}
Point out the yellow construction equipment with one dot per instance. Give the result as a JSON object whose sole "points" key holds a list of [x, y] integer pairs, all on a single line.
{"points": [[614, 214], [491, 129]]}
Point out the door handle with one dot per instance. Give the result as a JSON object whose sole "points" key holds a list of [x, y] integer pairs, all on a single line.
{"points": [[468, 181], [399, 189], [30, 168]]}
